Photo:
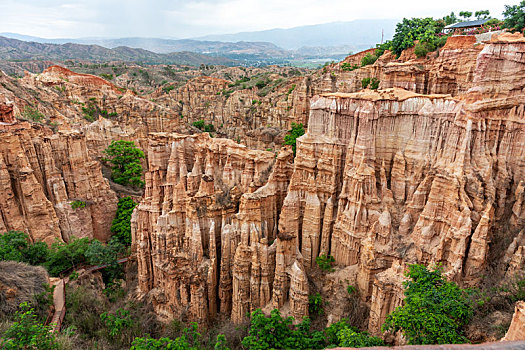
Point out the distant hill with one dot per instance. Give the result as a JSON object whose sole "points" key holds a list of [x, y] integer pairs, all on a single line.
{"points": [[14, 49], [229, 49], [359, 34]]}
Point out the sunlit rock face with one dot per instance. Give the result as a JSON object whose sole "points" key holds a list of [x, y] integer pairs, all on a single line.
{"points": [[41, 174], [421, 171]]}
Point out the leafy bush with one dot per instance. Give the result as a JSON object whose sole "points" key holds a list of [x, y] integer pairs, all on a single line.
{"points": [[78, 204], [199, 124], [15, 246], [351, 289], [116, 322], [374, 83], [409, 30], [148, 343], [64, 256], [515, 16], [121, 224], [274, 332], [168, 88], [368, 59], [28, 333], [99, 254], [209, 128], [291, 138], [349, 337], [107, 76], [421, 50], [365, 82], [434, 310], [125, 159], [33, 114], [325, 262], [315, 304], [346, 66], [221, 343]]}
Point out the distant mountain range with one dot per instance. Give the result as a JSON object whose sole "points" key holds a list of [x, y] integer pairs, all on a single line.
{"points": [[360, 34], [14, 49], [330, 41]]}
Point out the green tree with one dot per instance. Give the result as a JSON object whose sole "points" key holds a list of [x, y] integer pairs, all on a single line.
{"points": [[409, 30], [434, 311], [221, 343], [349, 337], [28, 333], [450, 19], [64, 256], [125, 159], [325, 262], [465, 15], [483, 14], [116, 322], [121, 225], [148, 343], [276, 332], [291, 138], [15, 246], [315, 304], [100, 254], [514, 17], [12, 245]]}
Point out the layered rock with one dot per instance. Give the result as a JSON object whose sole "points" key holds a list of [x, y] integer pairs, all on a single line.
{"points": [[41, 174], [203, 232], [381, 179], [516, 330]]}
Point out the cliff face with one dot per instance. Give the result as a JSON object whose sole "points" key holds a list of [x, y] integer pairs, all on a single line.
{"points": [[203, 231], [41, 173], [381, 179]]}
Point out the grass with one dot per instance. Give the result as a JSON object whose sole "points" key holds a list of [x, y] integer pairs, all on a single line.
{"points": [[26, 280]]}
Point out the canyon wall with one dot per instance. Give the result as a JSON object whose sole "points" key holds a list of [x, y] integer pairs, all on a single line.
{"points": [[381, 179], [41, 174]]}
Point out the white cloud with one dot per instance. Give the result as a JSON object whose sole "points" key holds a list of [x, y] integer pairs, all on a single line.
{"points": [[164, 18]]}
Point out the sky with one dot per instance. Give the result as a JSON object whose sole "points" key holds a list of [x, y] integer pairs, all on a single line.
{"points": [[185, 19]]}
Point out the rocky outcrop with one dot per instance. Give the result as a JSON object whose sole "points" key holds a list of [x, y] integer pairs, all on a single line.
{"points": [[41, 173], [517, 327], [6, 114], [381, 179], [204, 230]]}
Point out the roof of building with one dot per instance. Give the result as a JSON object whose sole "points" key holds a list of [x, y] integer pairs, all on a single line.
{"points": [[467, 24]]}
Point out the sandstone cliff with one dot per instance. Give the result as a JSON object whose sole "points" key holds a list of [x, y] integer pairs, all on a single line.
{"points": [[381, 179], [41, 173]]}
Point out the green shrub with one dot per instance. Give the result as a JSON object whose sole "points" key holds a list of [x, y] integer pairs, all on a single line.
{"points": [[346, 66], [349, 337], [199, 124], [125, 159], [368, 59], [107, 76], [168, 88], [78, 204], [365, 82], [33, 114], [121, 224], [374, 83], [221, 343], [315, 304], [98, 254], [434, 311], [409, 30], [209, 128], [291, 138], [515, 16], [351, 289], [274, 332], [28, 333], [116, 322], [15, 246], [64, 256], [325, 262]]}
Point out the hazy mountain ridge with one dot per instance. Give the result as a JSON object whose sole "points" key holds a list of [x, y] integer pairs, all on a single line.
{"points": [[14, 49]]}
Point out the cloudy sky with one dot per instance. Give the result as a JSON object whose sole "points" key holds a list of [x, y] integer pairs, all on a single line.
{"points": [[187, 18]]}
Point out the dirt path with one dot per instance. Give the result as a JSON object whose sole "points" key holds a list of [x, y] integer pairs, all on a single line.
{"points": [[59, 294]]}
